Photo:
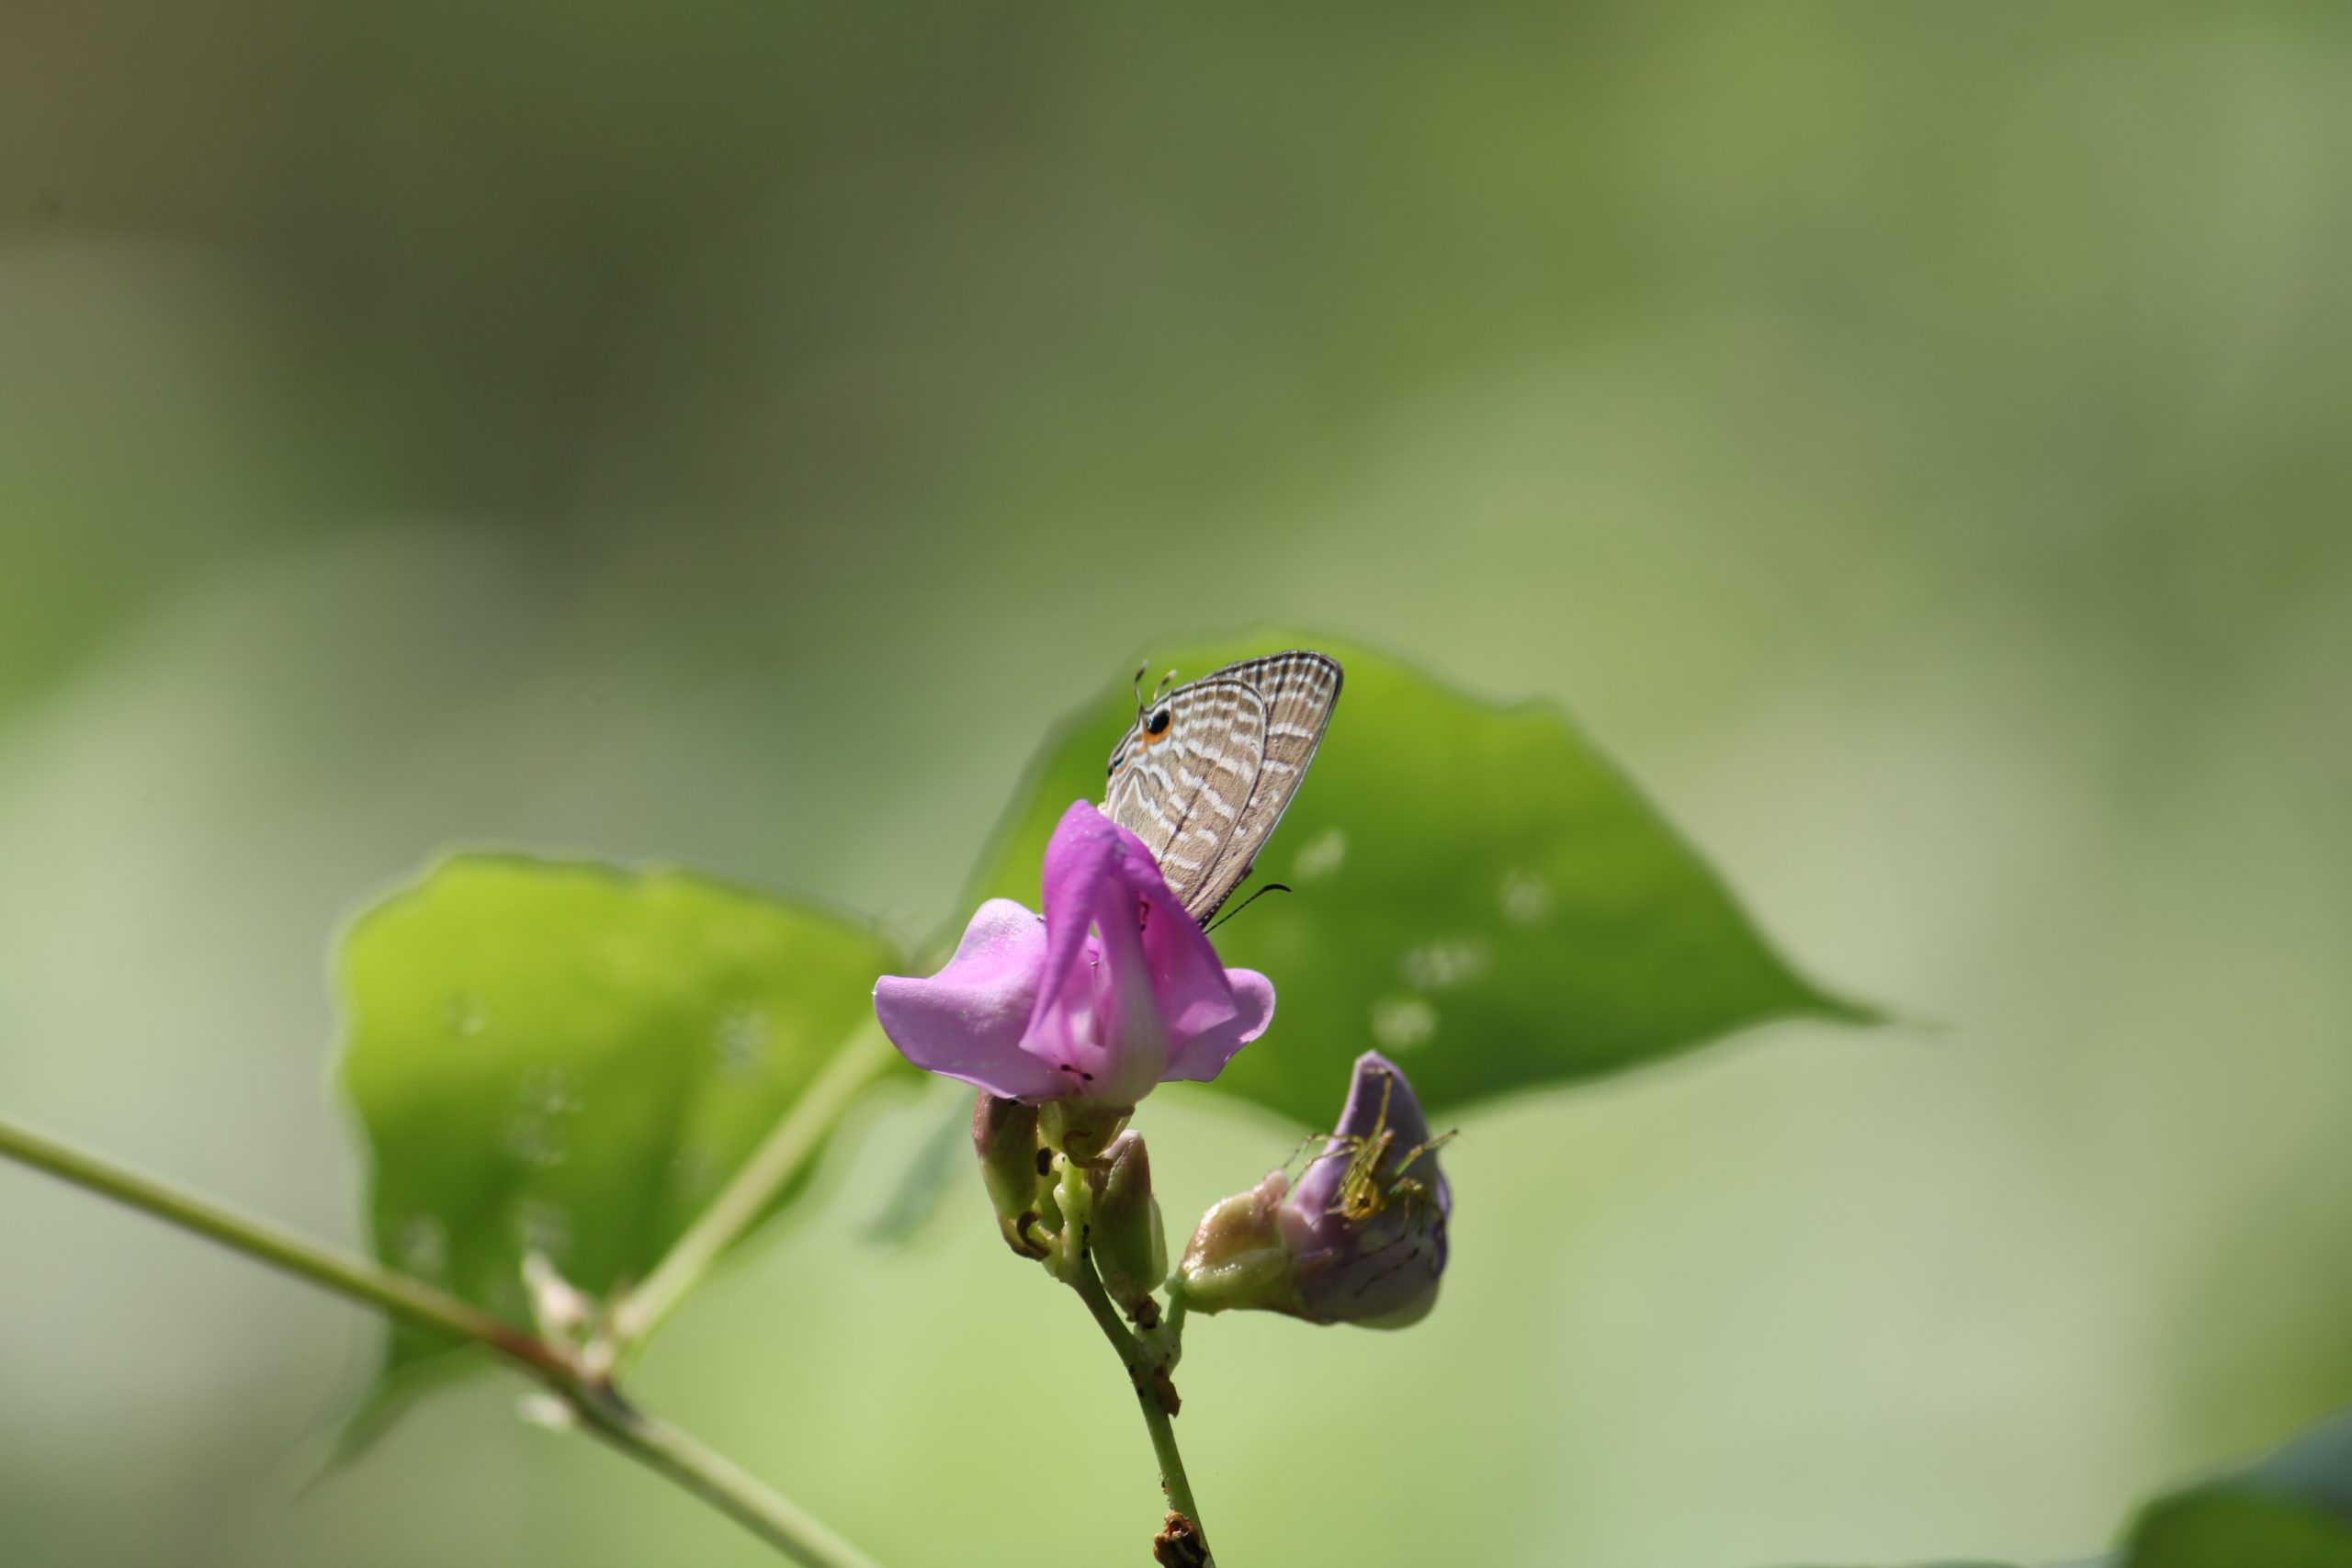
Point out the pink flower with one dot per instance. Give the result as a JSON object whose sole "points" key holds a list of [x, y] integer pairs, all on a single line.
{"points": [[1114, 990]]}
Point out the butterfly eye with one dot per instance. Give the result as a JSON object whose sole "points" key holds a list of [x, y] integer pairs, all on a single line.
{"points": [[1156, 724]]}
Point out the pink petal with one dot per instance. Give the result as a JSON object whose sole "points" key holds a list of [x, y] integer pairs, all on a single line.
{"points": [[966, 1022], [1203, 1056], [1064, 1033], [1194, 995], [1079, 855], [1129, 1022]]}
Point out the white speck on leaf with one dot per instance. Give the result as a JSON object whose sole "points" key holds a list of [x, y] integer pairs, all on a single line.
{"points": [[1435, 966], [423, 1245], [1320, 856], [466, 1016], [534, 1136], [741, 1040], [542, 1227], [1399, 1024], [694, 1173], [1527, 899]]}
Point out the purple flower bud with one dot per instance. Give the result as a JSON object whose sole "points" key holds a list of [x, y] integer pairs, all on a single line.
{"points": [[1366, 1224], [1359, 1239], [1114, 990]]}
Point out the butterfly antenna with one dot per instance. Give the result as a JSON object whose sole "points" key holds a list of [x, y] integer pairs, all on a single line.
{"points": [[1269, 887], [1139, 670], [1161, 690]]}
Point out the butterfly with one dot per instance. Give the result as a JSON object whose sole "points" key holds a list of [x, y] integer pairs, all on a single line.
{"points": [[1207, 770]]}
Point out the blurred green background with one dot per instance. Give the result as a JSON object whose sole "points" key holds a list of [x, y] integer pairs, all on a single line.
{"points": [[1913, 438]]}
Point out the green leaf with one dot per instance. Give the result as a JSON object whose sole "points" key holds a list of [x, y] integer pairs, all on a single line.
{"points": [[572, 1058], [2292, 1510], [1478, 893]]}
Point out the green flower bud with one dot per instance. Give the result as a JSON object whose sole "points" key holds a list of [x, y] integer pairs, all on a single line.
{"points": [[1238, 1258], [1079, 1130], [1013, 1164], [563, 1312], [1129, 1246]]}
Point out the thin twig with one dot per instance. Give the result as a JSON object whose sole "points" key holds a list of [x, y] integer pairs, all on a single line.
{"points": [[1147, 1372], [1140, 1368], [752, 1189], [654, 1444]]}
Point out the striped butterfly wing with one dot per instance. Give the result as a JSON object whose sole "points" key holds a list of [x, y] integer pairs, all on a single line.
{"points": [[1205, 775], [1182, 775], [1300, 689]]}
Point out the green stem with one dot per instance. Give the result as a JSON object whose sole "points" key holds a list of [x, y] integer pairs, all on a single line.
{"points": [[753, 1191], [1157, 1417], [716, 1480], [658, 1447], [343, 1272]]}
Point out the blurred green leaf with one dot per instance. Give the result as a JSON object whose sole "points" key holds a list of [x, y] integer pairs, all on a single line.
{"points": [[2291, 1509], [1478, 893], [572, 1058], [944, 1154]]}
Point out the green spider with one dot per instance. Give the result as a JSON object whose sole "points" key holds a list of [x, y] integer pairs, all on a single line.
{"points": [[1362, 1195]]}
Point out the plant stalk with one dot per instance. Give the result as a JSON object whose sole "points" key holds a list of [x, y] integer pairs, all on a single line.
{"points": [[716, 1480], [748, 1195], [654, 1444], [1145, 1372]]}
